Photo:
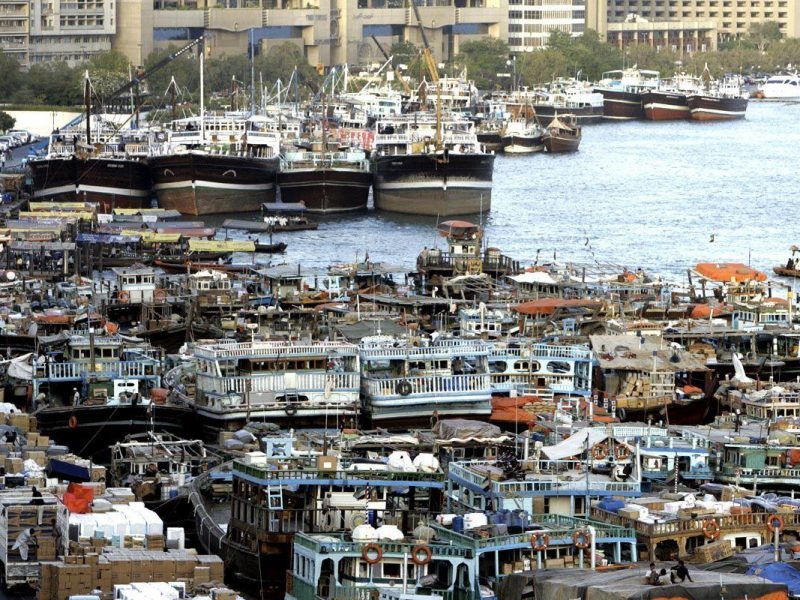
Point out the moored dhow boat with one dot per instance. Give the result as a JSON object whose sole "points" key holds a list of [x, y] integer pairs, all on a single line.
{"points": [[670, 101], [424, 169], [723, 101], [563, 134], [115, 175], [308, 383], [622, 93], [405, 383], [490, 134], [117, 380], [522, 136], [326, 182], [215, 165]]}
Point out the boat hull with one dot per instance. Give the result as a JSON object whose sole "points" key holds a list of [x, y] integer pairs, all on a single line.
{"points": [[429, 185], [110, 182], [205, 184], [560, 144], [665, 106], [100, 427], [621, 106], [520, 144], [492, 141], [711, 108], [326, 190]]}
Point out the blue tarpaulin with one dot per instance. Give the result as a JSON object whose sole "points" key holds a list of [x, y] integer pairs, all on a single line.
{"points": [[778, 573], [106, 238]]}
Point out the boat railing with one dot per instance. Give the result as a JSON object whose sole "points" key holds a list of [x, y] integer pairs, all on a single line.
{"points": [[311, 520], [559, 528], [279, 382], [733, 471], [544, 352], [426, 385], [337, 543], [268, 473], [443, 350], [71, 371], [491, 262], [701, 473], [303, 590], [567, 476], [274, 349], [678, 526]]}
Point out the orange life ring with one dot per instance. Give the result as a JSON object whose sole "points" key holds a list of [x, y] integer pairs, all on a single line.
{"points": [[111, 328], [622, 452], [599, 452], [580, 539], [540, 541], [775, 523], [426, 552], [372, 554], [160, 295], [711, 529], [124, 297], [73, 422]]}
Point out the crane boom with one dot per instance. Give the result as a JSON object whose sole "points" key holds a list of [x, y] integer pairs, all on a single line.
{"points": [[403, 82], [140, 77], [426, 51]]}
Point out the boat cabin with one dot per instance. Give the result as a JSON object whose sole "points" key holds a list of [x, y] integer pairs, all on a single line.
{"points": [[404, 379], [136, 284]]}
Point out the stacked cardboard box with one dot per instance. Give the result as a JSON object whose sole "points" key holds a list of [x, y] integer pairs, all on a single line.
{"points": [[80, 574]]}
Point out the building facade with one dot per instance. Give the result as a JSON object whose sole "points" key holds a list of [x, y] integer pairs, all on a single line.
{"points": [[683, 37], [327, 32], [14, 19], [70, 30], [531, 21], [731, 18]]}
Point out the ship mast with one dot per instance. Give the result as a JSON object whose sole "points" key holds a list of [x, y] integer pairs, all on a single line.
{"points": [[202, 94], [87, 99], [438, 117]]}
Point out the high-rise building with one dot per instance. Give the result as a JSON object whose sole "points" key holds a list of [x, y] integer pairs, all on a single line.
{"points": [[70, 30], [531, 21]]}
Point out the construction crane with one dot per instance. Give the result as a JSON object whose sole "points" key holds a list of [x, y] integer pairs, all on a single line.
{"points": [[427, 55], [397, 74]]}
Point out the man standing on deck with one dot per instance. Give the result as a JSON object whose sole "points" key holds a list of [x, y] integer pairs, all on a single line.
{"points": [[76, 397]]}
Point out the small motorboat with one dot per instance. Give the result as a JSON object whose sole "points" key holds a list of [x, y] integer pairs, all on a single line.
{"points": [[563, 134], [792, 266]]}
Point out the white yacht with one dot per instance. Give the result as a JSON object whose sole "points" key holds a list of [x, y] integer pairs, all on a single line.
{"points": [[782, 87]]}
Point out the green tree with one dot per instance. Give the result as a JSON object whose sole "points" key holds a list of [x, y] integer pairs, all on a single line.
{"points": [[764, 34], [6, 121], [406, 53], [52, 83], [184, 69], [114, 61], [11, 79], [783, 54], [535, 68], [484, 59]]}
